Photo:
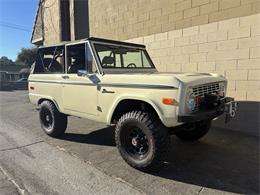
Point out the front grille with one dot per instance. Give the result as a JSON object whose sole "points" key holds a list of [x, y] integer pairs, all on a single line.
{"points": [[201, 90], [205, 89]]}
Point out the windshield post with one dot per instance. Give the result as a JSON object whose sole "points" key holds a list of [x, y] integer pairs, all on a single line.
{"points": [[142, 58]]}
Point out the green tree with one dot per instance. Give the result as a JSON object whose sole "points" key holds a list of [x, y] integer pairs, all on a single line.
{"points": [[4, 61], [26, 56]]}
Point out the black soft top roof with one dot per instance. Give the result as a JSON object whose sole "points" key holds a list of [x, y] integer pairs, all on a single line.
{"points": [[95, 39]]}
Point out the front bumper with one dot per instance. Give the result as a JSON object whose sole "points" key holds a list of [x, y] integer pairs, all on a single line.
{"points": [[227, 105]]}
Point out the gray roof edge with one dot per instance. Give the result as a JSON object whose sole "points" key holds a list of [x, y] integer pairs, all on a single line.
{"points": [[94, 39]]}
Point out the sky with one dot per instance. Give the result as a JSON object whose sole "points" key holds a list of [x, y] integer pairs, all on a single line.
{"points": [[19, 15]]}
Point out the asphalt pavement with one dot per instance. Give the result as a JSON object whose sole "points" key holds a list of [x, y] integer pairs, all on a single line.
{"points": [[85, 160]]}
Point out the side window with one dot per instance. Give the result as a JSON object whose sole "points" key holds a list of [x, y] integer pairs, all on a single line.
{"points": [[75, 58], [50, 61], [79, 57]]}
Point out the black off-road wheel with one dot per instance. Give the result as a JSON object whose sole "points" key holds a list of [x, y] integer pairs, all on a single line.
{"points": [[194, 132], [52, 121], [142, 140]]}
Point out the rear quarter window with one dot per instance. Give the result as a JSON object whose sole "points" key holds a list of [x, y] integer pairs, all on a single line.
{"points": [[50, 61]]}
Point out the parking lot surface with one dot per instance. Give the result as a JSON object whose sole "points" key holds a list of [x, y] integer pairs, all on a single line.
{"points": [[85, 159]]}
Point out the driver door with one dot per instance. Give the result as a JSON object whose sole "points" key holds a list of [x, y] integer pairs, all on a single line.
{"points": [[79, 92]]}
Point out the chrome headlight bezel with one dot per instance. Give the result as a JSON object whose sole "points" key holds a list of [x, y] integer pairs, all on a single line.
{"points": [[190, 101]]}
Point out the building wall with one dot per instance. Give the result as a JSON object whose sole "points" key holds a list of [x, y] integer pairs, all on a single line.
{"points": [[37, 29], [72, 19], [51, 20], [229, 47], [54, 23], [81, 19], [221, 36], [125, 19]]}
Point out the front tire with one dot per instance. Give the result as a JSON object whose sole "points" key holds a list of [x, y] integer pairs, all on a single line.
{"points": [[194, 132], [142, 140], [52, 121]]}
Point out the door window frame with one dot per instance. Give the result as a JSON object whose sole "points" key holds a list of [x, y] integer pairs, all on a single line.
{"points": [[87, 46]]}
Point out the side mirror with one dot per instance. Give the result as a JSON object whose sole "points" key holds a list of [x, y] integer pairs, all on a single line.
{"points": [[82, 73]]}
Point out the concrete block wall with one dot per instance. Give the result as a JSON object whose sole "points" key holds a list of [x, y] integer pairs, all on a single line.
{"points": [[126, 19], [219, 36], [229, 47]]}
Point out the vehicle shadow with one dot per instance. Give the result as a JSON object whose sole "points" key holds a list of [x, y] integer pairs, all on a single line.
{"points": [[223, 160], [218, 161], [246, 120], [104, 136]]}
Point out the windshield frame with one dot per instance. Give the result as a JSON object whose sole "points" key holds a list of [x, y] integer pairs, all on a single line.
{"points": [[122, 70]]}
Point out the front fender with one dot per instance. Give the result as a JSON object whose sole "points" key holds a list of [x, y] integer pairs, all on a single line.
{"points": [[127, 97]]}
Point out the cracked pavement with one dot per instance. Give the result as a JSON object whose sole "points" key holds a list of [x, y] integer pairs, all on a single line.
{"points": [[85, 160], [7, 185]]}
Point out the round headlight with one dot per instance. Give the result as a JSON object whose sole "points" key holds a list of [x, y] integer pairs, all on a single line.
{"points": [[191, 101]]}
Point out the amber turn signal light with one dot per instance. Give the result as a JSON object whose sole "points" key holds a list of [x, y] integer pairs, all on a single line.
{"points": [[168, 101]]}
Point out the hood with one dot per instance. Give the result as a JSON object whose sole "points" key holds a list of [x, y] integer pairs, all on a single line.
{"points": [[160, 78], [194, 78]]}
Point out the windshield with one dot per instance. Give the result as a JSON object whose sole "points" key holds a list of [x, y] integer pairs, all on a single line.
{"points": [[123, 58]]}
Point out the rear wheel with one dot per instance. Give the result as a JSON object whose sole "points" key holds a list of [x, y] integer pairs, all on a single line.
{"points": [[52, 121], [142, 140], [194, 132]]}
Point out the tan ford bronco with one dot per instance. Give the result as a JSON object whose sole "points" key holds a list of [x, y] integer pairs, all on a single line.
{"points": [[117, 83]]}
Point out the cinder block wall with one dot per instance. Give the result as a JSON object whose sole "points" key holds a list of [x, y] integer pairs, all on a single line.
{"points": [[221, 36], [125, 19], [229, 47]]}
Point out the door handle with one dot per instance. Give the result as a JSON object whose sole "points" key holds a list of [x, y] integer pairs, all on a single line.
{"points": [[107, 91], [65, 77]]}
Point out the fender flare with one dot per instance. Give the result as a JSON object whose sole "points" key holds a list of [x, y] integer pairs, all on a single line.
{"points": [[41, 99], [121, 98]]}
